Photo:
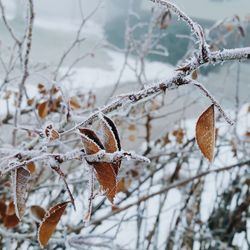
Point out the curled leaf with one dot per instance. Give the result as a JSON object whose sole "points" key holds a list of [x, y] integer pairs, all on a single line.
{"points": [[111, 136], [205, 133], [51, 132], [105, 172], [88, 138], [37, 213], [111, 140], [165, 19], [49, 223]]}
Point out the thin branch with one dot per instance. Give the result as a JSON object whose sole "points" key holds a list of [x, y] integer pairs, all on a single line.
{"points": [[166, 189]]}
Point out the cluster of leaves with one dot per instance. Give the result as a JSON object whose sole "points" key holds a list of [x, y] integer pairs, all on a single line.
{"points": [[95, 143]]}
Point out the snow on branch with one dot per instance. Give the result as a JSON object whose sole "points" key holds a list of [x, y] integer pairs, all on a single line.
{"points": [[55, 159], [194, 26], [176, 80]]}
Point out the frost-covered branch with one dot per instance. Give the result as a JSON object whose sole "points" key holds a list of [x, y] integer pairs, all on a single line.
{"points": [[177, 80], [55, 159], [195, 27]]}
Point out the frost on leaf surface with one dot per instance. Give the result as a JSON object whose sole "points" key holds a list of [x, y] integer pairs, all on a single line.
{"points": [[20, 181], [111, 136], [111, 139], [106, 173], [205, 133], [49, 223]]}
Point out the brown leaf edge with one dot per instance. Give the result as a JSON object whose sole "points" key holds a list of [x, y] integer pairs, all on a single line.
{"points": [[112, 135], [49, 223], [105, 172], [204, 126]]}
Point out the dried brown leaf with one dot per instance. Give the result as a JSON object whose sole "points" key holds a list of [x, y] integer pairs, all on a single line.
{"points": [[194, 75], [3, 209], [20, 181], [43, 109], [111, 140], [10, 208], [106, 173], [106, 177], [10, 221], [37, 213], [111, 137], [31, 167], [41, 88], [91, 142], [205, 133], [132, 127], [179, 135], [165, 19], [123, 185], [30, 101], [90, 134], [49, 223], [73, 102], [51, 133]]}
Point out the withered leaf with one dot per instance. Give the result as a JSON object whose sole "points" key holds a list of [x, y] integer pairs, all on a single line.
{"points": [[179, 135], [111, 140], [123, 185], [20, 181], [106, 177], [165, 19], [91, 142], [194, 75], [3, 208], [247, 134], [90, 134], [37, 213], [43, 109], [105, 172], [205, 133], [30, 101], [31, 167], [73, 102], [111, 136], [41, 88], [242, 31], [51, 133], [10, 221], [10, 208], [132, 127], [49, 223]]}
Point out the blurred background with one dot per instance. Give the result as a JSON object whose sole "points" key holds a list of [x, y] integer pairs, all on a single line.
{"points": [[95, 50]]}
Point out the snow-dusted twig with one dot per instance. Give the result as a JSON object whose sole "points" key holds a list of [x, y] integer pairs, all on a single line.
{"points": [[169, 187], [195, 27], [57, 158], [103, 156]]}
